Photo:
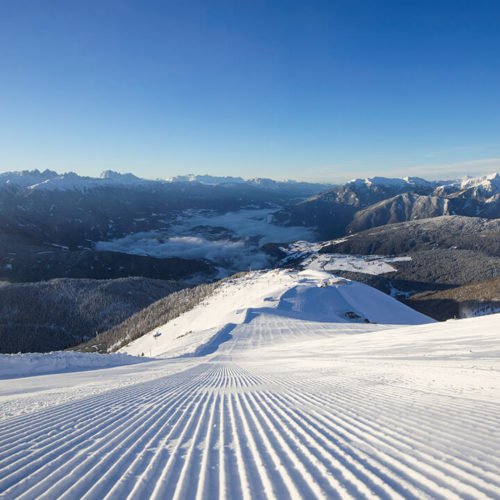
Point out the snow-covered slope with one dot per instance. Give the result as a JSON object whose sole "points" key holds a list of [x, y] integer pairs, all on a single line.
{"points": [[490, 183], [392, 182], [306, 295], [49, 180], [74, 182], [26, 178], [30, 364], [211, 180], [312, 256], [286, 408], [486, 187]]}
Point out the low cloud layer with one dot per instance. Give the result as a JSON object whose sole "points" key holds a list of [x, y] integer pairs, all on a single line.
{"points": [[233, 255], [248, 223], [238, 249]]}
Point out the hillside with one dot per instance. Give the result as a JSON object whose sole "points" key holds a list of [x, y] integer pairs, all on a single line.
{"points": [[403, 207], [447, 232], [466, 301], [410, 258], [295, 400], [52, 315], [306, 295], [155, 314]]}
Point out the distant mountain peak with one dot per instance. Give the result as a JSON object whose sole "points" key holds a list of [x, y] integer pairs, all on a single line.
{"points": [[117, 176], [490, 182], [211, 180], [391, 182]]}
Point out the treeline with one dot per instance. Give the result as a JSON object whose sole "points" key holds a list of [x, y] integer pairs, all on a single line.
{"points": [[153, 316], [62, 313]]}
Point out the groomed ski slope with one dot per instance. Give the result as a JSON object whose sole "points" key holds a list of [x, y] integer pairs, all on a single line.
{"points": [[310, 294], [286, 406]]}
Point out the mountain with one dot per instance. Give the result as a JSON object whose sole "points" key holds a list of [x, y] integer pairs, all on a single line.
{"points": [[478, 197], [52, 181], [299, 188], [363, 203], [25, 178], [400, 208], [483, 187]]}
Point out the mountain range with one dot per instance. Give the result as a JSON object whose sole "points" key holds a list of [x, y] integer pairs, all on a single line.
{"points": [[63, 234], [364, 203]]}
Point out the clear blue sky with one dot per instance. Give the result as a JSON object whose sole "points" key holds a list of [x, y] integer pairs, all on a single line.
{"points": [[286, 89]]}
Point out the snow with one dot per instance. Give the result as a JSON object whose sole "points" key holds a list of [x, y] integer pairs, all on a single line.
{"points": [[29, 364], [287, 407], [310, 258], [210, 180], [391, 182], [274, 393], [25, 178], [306, 295], [74, 182], [490, 182], [365, 264]]}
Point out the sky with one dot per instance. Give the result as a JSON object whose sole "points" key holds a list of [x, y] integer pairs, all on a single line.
{"points": [[311, 90]]}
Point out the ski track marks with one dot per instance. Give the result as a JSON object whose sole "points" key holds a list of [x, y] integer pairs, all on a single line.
{"points": [[247, 423], [219, 430]]}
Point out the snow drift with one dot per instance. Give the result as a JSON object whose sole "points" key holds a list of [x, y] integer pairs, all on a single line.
{"points": [[28, 364]]}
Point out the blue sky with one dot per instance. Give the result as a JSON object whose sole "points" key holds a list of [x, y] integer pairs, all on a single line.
{"points": [[314, 90]]}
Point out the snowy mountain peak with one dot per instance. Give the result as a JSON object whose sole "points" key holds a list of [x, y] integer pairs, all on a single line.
{"points": [[118, 177], [490, 182], [66, 181], [390, 182], [26, 178], [210, 180], [74, 182]]}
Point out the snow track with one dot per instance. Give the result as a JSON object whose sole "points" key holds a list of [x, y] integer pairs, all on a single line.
{"points": [[221, 429], [285, 408]]}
